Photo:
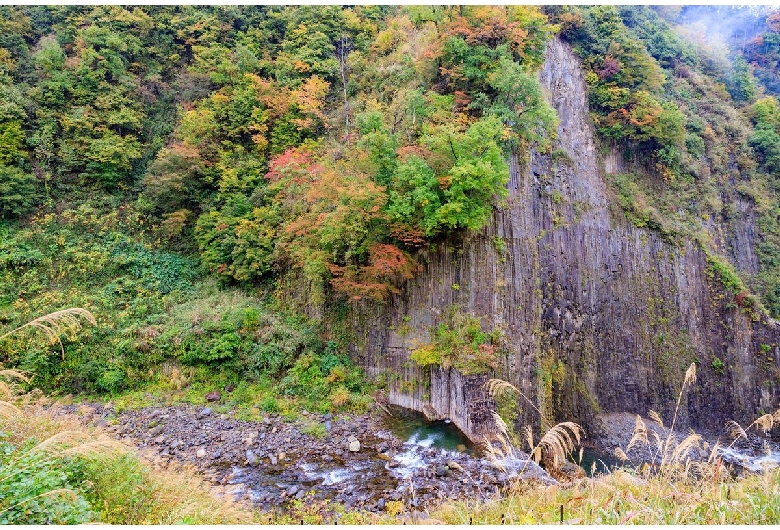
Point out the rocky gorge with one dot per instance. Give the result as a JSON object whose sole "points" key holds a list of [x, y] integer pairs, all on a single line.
{"points": [[596, 315]]}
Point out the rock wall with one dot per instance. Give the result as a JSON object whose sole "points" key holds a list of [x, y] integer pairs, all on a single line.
{"points": [[598, 316]]}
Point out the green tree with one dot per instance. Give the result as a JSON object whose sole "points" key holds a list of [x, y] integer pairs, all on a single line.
{"points": [[18, 192]]}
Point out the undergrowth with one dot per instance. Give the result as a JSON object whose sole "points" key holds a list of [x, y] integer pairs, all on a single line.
{"points": [[53, 471], [460, 341], [162, 327]]}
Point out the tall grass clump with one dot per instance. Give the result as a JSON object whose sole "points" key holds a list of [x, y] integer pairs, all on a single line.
{"points": [[552, 448], [53, 471], [676, 486]]}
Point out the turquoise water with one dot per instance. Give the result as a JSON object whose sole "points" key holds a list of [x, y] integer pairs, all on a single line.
{"points": [[595, 462], [416, 429]]}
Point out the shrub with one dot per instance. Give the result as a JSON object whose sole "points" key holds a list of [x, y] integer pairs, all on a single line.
{"points": [[18, 192], [38, 489], [459, 341]]}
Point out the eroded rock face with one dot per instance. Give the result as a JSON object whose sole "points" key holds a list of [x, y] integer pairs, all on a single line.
{"points": [[598, 315]]}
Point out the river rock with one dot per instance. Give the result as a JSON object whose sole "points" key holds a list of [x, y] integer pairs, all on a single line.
{"points": [[454, 466], [383, 447], [201, 453], [442, 471], [380, 504], [160, 439], [292, 490], [354, 446], [461, 448], [154, 431], [205, 412], [251, 458], [273, 460], [328, 425]]}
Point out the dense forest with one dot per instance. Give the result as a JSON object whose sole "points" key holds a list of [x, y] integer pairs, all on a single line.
{"points": [[185, 173]]}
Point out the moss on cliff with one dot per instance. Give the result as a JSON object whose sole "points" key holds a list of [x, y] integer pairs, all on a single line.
{"points": [[460, 342]]}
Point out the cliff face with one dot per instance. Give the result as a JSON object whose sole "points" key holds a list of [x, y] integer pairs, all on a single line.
{"points": [[597, 315]]}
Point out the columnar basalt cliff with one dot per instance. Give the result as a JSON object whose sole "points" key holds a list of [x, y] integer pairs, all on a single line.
{"points": [[597, 315]]}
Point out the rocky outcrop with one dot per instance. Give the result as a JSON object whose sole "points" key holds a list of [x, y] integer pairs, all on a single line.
{"points": [[597, 315]]}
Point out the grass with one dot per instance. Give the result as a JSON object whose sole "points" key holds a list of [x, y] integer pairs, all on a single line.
{"points": [[110, 481], [624, 497], [78, 475]]}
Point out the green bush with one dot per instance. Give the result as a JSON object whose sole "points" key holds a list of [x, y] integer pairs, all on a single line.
{"points": [[36, 488], [19, 193], [460, 341]]}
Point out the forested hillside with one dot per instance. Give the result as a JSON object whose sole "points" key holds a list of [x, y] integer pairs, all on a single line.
{"points": [[176, 169], [531, 223]]}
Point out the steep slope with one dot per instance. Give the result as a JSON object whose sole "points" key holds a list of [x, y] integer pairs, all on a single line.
{"points": [[596, 315]]}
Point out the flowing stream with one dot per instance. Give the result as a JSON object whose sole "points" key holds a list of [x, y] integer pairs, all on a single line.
{"points": [[410, 453]]}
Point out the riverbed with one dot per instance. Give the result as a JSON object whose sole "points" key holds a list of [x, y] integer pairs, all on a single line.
{"points": [[363, 462]]}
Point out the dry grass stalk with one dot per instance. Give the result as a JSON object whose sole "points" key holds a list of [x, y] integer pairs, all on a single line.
{"points": [[653, 415], [55, 324], [714, 453], [640, 433], [498, 387], [97, 449], [61, 441], [556, 443], [529, 437], [690, 379], [766, 423], [493, 454], [8, 410], [10, 373], [735, 431], [683, 448]]}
